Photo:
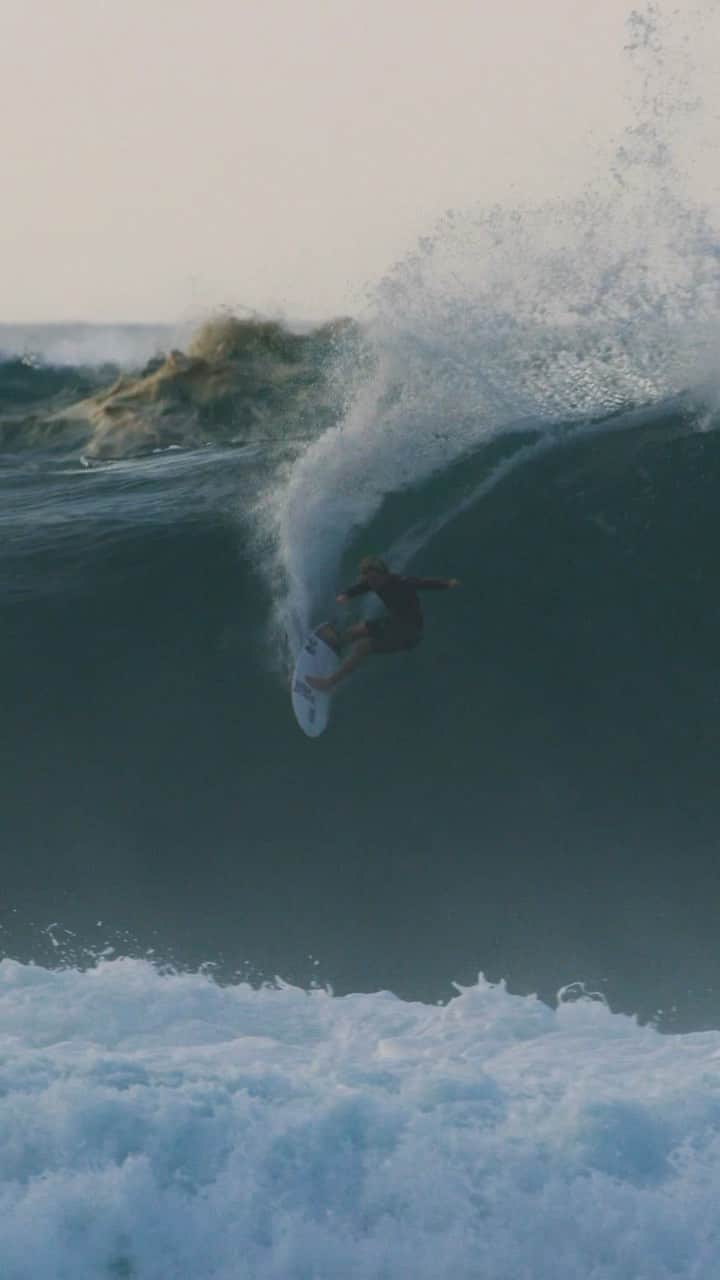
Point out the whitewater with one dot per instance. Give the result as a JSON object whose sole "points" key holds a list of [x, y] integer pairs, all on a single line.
{"points": [[161, 1125]]}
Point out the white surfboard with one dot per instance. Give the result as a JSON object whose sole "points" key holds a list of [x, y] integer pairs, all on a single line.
{"points": [[318, 657]]}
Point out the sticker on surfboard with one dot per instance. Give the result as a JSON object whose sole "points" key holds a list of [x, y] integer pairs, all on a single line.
{"points": [[318, 657]]}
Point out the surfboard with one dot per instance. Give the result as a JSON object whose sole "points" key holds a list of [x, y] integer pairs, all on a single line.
{"points": [[318, 657]]}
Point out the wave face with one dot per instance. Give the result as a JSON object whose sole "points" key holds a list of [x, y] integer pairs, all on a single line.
{"points": [[531, 793]]}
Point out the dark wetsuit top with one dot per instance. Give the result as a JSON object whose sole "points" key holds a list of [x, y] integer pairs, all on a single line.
{"points": [[403, 628]]}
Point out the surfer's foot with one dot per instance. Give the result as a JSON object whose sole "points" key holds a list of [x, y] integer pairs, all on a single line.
{"points": [[322, 683]]}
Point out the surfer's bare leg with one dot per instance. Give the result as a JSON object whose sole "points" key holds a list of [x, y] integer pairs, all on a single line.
{"points": [[360, 651], [338, 640], [356, 632]]}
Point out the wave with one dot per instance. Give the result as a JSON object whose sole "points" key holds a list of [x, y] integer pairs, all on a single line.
{"points": [[23, 382], [529, 403], [536, 768], [503, 322]]}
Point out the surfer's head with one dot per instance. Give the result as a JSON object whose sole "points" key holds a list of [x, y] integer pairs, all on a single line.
{"points": [[373, 565]]}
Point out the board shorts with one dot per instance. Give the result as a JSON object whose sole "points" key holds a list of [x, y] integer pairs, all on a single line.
{"points": [[391, 635]]}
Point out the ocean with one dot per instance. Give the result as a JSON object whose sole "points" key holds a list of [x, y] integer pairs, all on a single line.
{"points": [[438, 993]]}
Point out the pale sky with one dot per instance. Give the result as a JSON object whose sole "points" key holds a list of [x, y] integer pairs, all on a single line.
{"points": [[161, 157]]}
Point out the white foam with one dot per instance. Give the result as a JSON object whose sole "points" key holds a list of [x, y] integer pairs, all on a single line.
{"points": [[163, 1126]]}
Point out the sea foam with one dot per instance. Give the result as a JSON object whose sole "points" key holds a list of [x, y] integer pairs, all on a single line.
{"points": [[161, 1125]]}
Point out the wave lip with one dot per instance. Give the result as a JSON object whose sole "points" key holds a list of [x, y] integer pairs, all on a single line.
{"points": [[161, 1125]]}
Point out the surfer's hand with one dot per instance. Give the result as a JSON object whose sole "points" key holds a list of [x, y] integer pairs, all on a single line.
{"points": [[341, 599], [454, 582]]}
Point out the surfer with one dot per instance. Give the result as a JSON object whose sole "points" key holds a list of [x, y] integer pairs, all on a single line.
{"points": [[400, 628]]}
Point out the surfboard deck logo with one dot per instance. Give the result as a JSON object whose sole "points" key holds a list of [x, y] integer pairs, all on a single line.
{"points": [[318, 657]]}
